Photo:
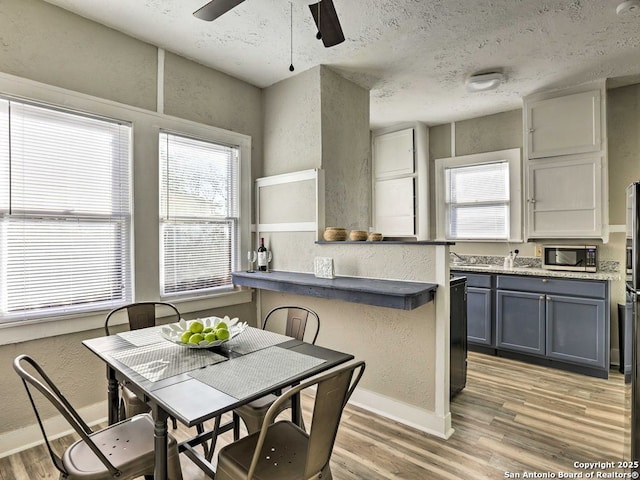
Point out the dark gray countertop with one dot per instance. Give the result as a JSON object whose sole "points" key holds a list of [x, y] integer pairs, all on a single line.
{"points": [[383, 293]]}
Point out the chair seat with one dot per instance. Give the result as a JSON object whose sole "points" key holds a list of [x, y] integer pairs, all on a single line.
{"points": [[133, 404], [283, 458], [253, 413], [129, 446]]}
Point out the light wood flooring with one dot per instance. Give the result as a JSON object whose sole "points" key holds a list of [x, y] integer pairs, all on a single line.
{"points": [[511, 418]]}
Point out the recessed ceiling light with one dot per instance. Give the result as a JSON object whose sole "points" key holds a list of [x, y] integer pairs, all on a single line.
{"points": [[484, 81], [628, 7]]}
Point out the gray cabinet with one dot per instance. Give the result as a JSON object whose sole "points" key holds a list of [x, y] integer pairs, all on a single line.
{"points": [[576, 330], [559, 320], [479, 308], [479, 318], [520, 322]]}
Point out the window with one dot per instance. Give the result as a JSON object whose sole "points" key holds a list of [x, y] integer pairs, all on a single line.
{"points": [[199, 210], [64, 211], [479, 197]]}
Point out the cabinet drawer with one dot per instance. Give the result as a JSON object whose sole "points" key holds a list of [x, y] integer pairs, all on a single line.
{"points": [[582, 288], [474, 279]]}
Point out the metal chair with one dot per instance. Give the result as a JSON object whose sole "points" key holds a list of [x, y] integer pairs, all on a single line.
{"points": [[140, 315], [252, 414], [124, 450], [284, 451]]}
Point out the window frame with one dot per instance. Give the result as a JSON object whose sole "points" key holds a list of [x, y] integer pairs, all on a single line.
{"points": [[514, 159], [32, 216], [235, 221], [144, 248]]}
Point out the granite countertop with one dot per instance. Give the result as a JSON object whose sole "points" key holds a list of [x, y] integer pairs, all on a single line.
{"points": [[532, 267]]}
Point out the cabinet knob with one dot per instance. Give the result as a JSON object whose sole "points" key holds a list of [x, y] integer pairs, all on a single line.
{"points": [[541, 297], [531, 130], [533, 200], [544, 280]]}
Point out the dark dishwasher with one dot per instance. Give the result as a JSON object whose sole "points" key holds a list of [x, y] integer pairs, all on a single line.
{"points": [[458, 348]]}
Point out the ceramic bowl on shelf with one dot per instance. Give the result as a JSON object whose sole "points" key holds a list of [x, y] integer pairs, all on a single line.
{"points": [[358, 235], [375, 237], [335, 234]]}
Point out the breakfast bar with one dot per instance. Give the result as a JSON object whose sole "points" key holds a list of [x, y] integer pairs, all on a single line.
{"points": [[398, 294]]}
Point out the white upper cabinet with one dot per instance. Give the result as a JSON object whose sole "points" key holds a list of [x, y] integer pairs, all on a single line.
{"points": [[565, 197], [400, 182], [566, 165], [564, 125], [393, 154]]}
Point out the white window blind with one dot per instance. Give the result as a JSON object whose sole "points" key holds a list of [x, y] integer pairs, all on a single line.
{"points": [[477, 201], [199, 209], [64, 211]]}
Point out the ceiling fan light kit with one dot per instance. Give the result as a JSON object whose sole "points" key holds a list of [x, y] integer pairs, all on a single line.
{"points": [[481, 82]]}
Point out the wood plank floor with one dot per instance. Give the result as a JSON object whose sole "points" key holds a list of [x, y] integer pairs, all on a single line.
{"points": [[511, 418]]}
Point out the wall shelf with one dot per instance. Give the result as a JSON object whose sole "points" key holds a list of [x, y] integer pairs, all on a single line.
{"points": [[382, 293]]}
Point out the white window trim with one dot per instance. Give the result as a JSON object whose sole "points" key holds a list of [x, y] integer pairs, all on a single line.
{"points": [[513, 157], [146, 125]]}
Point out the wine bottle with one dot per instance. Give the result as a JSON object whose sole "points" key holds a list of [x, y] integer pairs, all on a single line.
{"points": [[262, 256]]}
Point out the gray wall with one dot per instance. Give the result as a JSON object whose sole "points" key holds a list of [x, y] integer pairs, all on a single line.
{"points": [[47, 44], [504, 130]]}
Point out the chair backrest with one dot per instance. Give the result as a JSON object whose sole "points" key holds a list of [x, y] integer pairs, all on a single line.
{"points": [[38, 380], [332, 394], [297, 319], [142, 314]]}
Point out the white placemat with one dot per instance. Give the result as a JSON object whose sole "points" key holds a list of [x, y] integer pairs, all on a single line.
{"points": [[163, 360], [254, 339], [244, 376], [143, 336]]}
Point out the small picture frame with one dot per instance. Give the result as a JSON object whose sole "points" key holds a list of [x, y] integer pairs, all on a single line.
{"points": [[323, 267]]}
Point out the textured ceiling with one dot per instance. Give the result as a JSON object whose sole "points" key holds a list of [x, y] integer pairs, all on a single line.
{"points": [[413, 55]]}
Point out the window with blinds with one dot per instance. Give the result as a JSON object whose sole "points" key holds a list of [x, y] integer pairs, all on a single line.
{"points": [[199, 210], [478, 201], [65, 211]]}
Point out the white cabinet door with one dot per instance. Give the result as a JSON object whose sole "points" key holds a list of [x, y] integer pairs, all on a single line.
{"points": [[393, 154], [395, 206], [564, 197], [564, 125]]}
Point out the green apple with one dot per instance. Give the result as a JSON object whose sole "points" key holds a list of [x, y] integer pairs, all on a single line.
{"points": [[210, 337], [207, 330], [222, 334], [185, 336], [196, 338], [196, 326], [222, 325]]}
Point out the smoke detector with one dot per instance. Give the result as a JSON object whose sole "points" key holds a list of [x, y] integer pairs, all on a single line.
{"points": [[628, 7]]}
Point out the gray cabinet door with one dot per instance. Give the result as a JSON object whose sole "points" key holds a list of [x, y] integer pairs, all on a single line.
{"points": [[520, 322], [479, 318], [576, 330]]}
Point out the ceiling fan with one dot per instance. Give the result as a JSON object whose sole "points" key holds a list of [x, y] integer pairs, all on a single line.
{"points": [[323, 12]]}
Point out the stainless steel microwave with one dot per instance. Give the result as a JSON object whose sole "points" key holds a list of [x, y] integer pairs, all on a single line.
{"points": [[576, 258]]}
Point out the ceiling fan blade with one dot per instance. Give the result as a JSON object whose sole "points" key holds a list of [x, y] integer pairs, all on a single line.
{"points": [[326, 18], [215, 8]]}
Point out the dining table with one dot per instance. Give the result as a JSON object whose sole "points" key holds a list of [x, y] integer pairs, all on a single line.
{"points": [[196, 384]]}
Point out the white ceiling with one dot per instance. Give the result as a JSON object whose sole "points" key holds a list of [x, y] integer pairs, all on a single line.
{"points": [[413, 55]]}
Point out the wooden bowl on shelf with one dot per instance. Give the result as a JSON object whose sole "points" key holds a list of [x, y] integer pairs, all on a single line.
{"points": [[335, 234], [358, 235], [375, 237]]}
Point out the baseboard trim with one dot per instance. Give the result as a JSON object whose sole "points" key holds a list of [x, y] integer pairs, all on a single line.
{"points": [[424, 420], [16, 441]]}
